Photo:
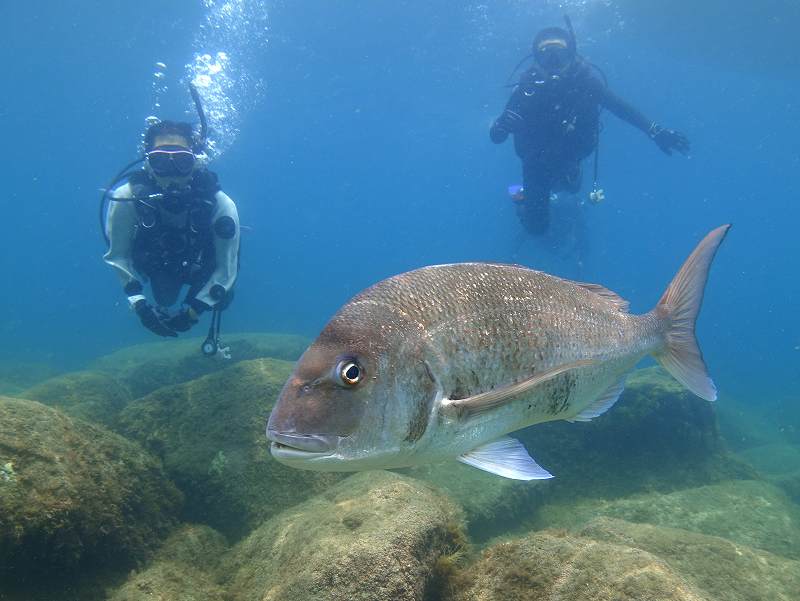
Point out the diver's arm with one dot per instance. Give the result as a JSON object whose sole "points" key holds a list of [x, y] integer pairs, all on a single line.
{"points": [[225, 229], [509, 121], [624, 110], [666, 139], [120, 229]]}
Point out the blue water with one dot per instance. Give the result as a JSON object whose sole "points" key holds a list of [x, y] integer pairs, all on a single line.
{"points": [[367, 154]]}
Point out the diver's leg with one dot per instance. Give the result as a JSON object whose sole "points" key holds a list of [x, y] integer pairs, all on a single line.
{"points": [[534, 211]]}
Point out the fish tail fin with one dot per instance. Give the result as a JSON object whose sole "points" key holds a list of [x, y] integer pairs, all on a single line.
{"points": [[679, 306]]}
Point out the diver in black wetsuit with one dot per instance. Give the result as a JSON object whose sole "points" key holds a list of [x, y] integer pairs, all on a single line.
{"points": [[554, 115], [171, 225]]}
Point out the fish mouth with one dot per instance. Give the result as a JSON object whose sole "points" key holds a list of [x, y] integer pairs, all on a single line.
{"points": [[291, 445]]}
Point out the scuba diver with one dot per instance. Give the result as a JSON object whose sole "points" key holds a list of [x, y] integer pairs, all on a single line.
{"points": [[554, 116], [170, 225]]}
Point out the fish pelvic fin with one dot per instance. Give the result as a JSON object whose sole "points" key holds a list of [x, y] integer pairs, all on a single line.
{"points": [[485, 401], [505, 457], [679, 306]]}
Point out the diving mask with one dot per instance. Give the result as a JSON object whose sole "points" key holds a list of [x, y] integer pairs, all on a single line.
{"points": [[554, 55], [171, 161]]}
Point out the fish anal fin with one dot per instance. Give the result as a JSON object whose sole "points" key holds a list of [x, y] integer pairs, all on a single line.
{"points": [[603, 403], [505, 457], [485, 401]]}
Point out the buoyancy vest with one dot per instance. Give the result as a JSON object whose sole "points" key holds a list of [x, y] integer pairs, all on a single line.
{"points": [[173, 232]]}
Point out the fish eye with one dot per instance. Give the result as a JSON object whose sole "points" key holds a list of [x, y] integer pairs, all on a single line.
{"points": [[349, 372]]}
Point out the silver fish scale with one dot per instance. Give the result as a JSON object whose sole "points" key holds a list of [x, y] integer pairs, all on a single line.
{"points": [[488, 325]]}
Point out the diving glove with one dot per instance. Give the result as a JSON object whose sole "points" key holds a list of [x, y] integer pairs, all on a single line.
{"points": [[183, 320], [668, 139], [150, 318]]}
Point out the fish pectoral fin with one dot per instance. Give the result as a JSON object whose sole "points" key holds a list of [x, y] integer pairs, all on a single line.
{"points": [[604, 402], [505, 457], [499, 396]]}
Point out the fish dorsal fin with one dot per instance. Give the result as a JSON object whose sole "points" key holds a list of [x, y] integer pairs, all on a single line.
{"points": [[602, 404], [505, 457], [500, 396], [615, 299]]}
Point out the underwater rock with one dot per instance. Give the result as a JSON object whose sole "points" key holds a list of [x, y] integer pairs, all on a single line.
{"points": [[181, 570], [747, 512], [549, 565], [17, 376], [779, 463], [375, 536], [490, 503], [720, 569], [745, 425], [89, 395], [210, 434], [146, 367], [74, 496]]}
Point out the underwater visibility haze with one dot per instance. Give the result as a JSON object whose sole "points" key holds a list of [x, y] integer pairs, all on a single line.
{"points": [[352, 145]]}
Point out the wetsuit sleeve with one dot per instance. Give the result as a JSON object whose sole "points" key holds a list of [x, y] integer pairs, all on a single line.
{"points": [[622, 109], [498, 133], [120, 229], [225, 228]]}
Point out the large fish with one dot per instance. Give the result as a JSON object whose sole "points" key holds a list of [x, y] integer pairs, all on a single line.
{"points": [[444, 361]]}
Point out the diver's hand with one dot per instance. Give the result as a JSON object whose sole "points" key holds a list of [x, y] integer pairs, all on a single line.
{"points": [[151, 320], [509, 122], [182, 321], [669, 139]]}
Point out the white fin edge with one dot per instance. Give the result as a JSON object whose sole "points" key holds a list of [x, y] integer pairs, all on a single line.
{"points": [[602, 404], [505, 457]]}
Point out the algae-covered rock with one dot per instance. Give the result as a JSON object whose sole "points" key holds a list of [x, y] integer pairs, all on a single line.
{"points": [[773, 459], [375, 536], [548, 566], [490, 503], [752, 513], [182, 570], [746, 425], [210, 433], [144, 368], [720, 569], [779, 463], [90, 395], [16, 376], [74, 495]]}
